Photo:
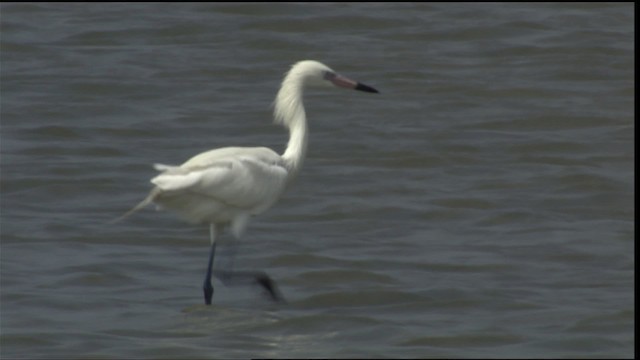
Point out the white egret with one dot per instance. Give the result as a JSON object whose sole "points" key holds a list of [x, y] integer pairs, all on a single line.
{"points": [[227, 186]]}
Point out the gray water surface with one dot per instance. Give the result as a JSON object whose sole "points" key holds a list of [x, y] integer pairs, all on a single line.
{"points": [[480, 206]]}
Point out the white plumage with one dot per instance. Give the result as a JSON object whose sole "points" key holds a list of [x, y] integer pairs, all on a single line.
{"points": [[222, 186], [227, 186]]}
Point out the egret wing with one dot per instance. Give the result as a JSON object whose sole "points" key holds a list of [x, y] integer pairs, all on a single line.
{"points": [[245, 178]]}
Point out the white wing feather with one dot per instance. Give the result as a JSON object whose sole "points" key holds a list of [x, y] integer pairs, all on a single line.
{"points": [[221, 184], [169, 182]]}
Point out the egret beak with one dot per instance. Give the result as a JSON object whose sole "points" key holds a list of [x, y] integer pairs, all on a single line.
{"points": [[341, 81]]}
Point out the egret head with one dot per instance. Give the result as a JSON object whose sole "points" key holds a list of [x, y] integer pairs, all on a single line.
{"points": [[316, 73], [288, 108]]}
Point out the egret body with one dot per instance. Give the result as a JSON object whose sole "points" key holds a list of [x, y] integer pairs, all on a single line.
{"points": [[227, 186]]}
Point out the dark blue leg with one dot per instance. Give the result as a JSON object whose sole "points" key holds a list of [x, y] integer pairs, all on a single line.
{"points": [[230, 277], [208, 288]]}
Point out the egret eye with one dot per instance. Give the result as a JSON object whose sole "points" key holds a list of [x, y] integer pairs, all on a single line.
{"points": [[328, 75]]}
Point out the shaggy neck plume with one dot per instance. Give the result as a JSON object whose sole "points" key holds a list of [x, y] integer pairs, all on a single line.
{"points": [[289, 111]]}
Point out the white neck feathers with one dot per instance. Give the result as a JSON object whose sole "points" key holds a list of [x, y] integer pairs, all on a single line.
{"points": [[289, 111]]}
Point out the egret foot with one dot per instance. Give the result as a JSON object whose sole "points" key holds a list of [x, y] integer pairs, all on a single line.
{"points": [[231, 278], [268, 284], [208, 293]]}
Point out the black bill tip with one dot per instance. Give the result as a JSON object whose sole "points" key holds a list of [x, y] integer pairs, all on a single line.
{"points": [[366, 88]]}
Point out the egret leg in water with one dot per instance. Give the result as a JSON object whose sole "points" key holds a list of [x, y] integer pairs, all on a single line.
{"points": [[227, 186], [230, 277]]}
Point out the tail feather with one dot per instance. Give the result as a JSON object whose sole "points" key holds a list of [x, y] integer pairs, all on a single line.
{"points": [[148, 200]]}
